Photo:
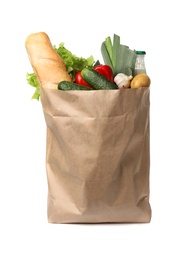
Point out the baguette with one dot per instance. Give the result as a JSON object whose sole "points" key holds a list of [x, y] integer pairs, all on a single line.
{"points": [[47, 65]]}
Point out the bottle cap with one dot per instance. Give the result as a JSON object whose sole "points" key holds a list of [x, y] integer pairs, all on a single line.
{"points": [[140, 52]]}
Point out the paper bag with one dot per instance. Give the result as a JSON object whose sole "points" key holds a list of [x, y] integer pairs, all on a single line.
{"points": [[97, 155]]}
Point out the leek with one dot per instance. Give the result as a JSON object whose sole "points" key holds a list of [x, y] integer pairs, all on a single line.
{"points": [[118, 56]]}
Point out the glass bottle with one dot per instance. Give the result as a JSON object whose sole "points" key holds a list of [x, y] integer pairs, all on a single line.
{"points": [[140, 63]]}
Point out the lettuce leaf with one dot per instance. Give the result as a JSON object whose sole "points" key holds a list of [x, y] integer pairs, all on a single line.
{"points": [[73, 63], [32, 81]]}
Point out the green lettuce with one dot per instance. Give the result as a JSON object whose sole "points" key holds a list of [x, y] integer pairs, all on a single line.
{"points": [[73, 64], [32, 81]]}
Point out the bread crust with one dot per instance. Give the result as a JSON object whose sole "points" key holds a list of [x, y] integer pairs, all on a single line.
{"points": [[48, 66]]}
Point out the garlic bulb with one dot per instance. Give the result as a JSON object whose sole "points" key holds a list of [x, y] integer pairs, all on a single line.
{"points": [[122, 80]]}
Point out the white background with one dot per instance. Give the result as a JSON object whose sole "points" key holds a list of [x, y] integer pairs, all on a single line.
{"points": [[156, 27]]}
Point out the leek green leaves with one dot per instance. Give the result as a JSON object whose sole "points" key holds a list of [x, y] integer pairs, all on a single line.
{"points": [[118, 56]]}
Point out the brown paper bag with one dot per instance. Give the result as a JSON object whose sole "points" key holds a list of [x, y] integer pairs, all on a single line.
{"points": [[97, 155]]}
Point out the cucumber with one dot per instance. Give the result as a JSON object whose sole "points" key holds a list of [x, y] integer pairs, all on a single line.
{"points": [[96, 80], [67, 85]]}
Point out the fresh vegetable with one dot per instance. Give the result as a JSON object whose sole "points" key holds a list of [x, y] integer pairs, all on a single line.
{"points": [[66, 85], [79, 80], [106, 71], [122, 80], [32, 81], [140, 80], [119, 57], [96, 80]]}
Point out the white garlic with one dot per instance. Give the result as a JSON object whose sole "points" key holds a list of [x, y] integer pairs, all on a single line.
{"points": [[122, 80]]}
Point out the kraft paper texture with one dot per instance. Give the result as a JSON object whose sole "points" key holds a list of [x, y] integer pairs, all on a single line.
{"points": [[97, 155]]}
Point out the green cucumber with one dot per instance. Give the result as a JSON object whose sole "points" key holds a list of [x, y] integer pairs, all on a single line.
{"points": [[96, 80], [67, 85]]}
